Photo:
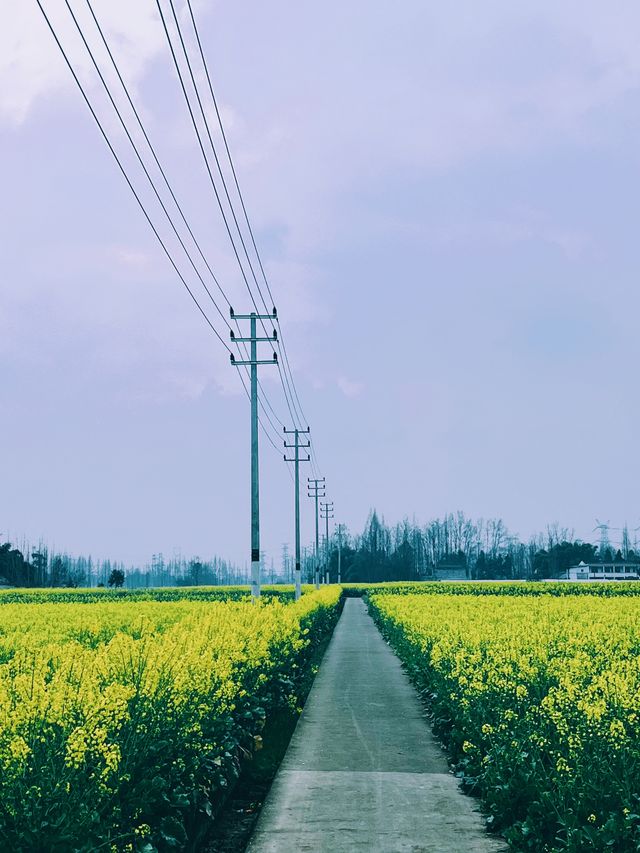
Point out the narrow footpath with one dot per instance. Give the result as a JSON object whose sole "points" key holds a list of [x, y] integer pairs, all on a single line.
{"points": [[363, 771]]}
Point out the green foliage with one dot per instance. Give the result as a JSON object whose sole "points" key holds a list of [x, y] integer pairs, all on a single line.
{"points": [[555, 561], [537, 703], [116, 578], [513, 588], [14, 568], [123, 723], [94, 595]]}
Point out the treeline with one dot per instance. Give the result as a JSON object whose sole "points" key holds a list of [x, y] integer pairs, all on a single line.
{"points": [[458, 547], [451, 547], [40, 567]]}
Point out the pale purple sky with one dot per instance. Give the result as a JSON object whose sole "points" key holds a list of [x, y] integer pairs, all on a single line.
{"points": [[446, 197]]}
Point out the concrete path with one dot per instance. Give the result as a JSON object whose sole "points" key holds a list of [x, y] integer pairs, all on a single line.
{"points": [[363, 771]]}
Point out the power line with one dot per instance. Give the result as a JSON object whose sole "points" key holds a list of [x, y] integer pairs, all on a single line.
{"points": [[206, 159], [286, 387], [264, 429], [127, 179], [144, 168], [215, 154], [133, 190], [226, 145], [244, 209], [202, 150], [162, 172], [151, 147], [152, 184]]}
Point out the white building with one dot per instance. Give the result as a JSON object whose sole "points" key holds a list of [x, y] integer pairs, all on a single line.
{"points": [[604, 572]]}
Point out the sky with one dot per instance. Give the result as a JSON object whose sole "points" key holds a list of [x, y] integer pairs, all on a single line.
{"points": [[445, 197]]}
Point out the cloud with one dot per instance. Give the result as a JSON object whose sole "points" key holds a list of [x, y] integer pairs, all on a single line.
{"points": [[130, 258], [31, 66], [350, 388]]}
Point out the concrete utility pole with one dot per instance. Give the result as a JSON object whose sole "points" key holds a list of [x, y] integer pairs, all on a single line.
{"points": [[253, 363], [314, 492], [339, 531], [296, 460], [326, 511]]}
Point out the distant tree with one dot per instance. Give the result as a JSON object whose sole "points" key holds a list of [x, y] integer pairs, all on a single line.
{"points": [[116, 578], [499, 567], [481, 566], [555, 562], [39, 560], [541, 564], [195, 571], [57, 573], [14, 568]]}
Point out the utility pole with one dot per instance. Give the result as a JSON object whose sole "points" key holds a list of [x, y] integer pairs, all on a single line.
{"points": [[326, 511], [314, 492], [339, 531], [296, 460], [253, 363]]}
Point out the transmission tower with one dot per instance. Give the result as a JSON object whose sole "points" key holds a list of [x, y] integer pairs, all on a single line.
{"points": [[603, 527]]}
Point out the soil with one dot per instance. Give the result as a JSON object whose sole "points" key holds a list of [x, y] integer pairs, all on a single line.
{"points": [[231, 831]]}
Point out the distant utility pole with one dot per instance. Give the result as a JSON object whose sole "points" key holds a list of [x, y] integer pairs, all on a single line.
{"points": [[313, 486], [326, 511], [296, 460], [339, 531], [253, 363]]}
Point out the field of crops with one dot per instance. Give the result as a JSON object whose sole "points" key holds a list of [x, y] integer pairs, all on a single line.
{"points": [[172, 593], [124, 715], [537, 699], [122, 722], [511, 588]]}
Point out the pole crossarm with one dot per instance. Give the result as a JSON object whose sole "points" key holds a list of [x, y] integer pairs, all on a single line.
{"points": [[327, 509], [251, 362], [235, 316], [236, 340]]}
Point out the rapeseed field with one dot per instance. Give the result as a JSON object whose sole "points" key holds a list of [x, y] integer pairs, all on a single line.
{"points": [[537, 699], [123, 722]]}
